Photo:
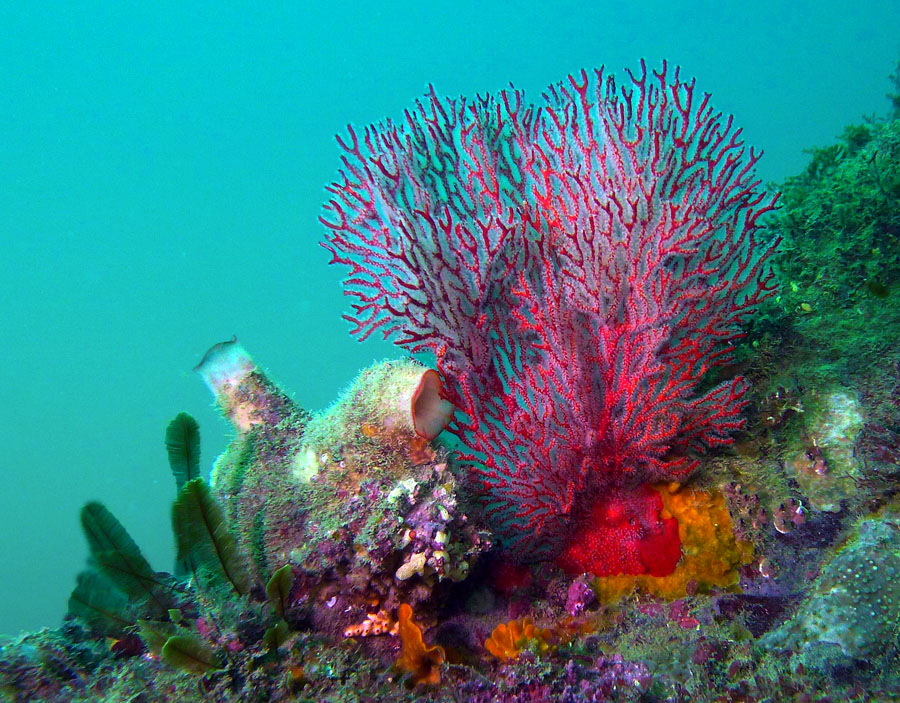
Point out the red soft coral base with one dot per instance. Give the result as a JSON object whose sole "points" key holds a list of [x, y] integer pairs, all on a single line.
{"points": [[625, 534]]}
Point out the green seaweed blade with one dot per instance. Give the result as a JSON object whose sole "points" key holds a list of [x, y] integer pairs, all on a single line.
{"points": [[97, 601], [202, 538], [183, 447], [118, 557], [278, 589], [190, 653]]}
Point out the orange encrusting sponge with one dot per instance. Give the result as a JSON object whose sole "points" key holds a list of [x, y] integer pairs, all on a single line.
{"points": [[509, 639], [422, 662]]}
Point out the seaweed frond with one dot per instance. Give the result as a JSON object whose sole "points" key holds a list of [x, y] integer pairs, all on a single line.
{"points": [[117, 556], [98, 602], [204, 543], [190, 653], [183, 447], [276, 636], [278, 589]]}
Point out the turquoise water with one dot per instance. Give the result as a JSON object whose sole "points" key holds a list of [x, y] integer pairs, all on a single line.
{"points": [[161, 174]]}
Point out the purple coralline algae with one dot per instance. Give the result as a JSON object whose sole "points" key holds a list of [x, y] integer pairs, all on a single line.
{"points": [[579, 596]]}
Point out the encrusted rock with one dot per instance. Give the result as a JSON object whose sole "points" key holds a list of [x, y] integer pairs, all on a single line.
{"points": [[825, 465], [855, 601], [354, 497]]}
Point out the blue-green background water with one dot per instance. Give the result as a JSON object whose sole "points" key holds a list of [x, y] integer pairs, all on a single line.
{"points": [[161, 172]]}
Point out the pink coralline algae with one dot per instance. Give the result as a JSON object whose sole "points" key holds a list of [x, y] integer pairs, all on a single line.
{"points": [[577, 267]]}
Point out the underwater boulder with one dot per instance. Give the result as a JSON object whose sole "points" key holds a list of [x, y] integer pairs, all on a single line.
{"points": [[854, 603], [357, 497], [824, 464]]}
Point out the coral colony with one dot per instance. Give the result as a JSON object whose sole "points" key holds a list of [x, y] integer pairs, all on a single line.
{"points": [[579, 269]]}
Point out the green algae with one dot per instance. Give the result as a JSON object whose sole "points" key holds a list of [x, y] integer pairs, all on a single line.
{"points": [[183, 448], [190, 653], [203, 540], [839, 263], [278, 589], [257, 543]]}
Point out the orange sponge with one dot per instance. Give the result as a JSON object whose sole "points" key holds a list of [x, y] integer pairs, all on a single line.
{"points": [[509, 639], [423, 663]]}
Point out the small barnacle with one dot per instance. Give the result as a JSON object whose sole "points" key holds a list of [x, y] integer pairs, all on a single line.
{"points": [[789, 513], [780, 523], [766, 568]]}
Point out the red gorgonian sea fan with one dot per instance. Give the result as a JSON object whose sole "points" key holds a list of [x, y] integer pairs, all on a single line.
{"points": [[576, 266]]}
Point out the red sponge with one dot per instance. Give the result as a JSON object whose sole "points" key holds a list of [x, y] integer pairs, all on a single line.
{"points": [[625, 534]]}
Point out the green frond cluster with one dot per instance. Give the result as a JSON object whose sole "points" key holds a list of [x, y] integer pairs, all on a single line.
{"points": [[178, 617]]}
